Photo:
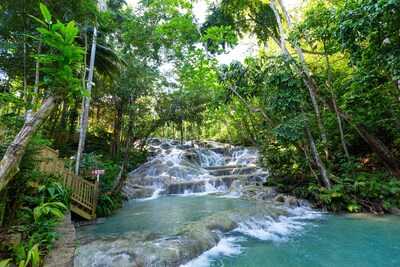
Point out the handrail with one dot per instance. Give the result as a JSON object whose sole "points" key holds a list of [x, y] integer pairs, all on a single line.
{"points": [[83, 193]]}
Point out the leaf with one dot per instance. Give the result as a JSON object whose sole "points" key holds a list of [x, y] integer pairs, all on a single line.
{"points": [[37, 212], [33, 37], [56, 26], [71, 32], [84, 92], [38, 20], [5, 263], [35, 255], [68, 52], [51, 191], [68, 71], [47, 79], [60, 205], [43, 31], [57, 213], [45, 13]]}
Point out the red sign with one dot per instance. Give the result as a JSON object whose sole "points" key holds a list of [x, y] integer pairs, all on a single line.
{"points": [[98, 172]]}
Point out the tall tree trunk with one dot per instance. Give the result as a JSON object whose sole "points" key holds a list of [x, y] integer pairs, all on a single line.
{"points": [[339, 121], [181, 131], [14, 153], [35, 88], [129, 142], [384, 154], [73, 116], [317, 158], [85, 110], [116, 135], [306, 71], [62, 126], [25, 77]]}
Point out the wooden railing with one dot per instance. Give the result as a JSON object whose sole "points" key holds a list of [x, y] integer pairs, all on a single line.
{"points": [[83, 193]]}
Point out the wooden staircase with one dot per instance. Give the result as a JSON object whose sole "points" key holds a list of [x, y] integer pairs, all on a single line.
{"points": [[83, 193]]}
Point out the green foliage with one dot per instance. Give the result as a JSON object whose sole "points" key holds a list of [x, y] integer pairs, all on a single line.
{"points": [[108, 199], [214, 36], [60, 64], [33, 209], [37, 225], [373, 192], [32, 257], [5, 263], [89, 162], [55, 192], [50, 209], [106, 205]]}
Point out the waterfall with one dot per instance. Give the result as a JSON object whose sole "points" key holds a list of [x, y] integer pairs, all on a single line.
{"points": [[206, 167], [205, 206]]}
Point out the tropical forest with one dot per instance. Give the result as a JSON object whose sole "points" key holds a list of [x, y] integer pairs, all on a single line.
{"points": [[199, 133]]}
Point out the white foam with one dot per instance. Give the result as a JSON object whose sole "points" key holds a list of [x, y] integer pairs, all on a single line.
{"points": [[237, 193], [227, 246], [210, 158], [187, 194], [304, 213], [156, 194], [280, 229], [209, 187]]}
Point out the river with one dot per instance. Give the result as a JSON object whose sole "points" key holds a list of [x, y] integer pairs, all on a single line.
{"points": [[204, 206]]}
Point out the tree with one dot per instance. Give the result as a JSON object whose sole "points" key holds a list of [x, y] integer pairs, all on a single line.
{"points": [[59, 68], [250, 16], [86, 100]]}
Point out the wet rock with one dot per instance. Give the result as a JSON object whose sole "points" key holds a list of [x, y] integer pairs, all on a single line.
{"points": [[186, 244], [236, 184], [183, 147], [205, 144], [230, 171], [134, 192], [155, 142], [185, 187], [259, 192], [394, 210], [292, 201], [192, 157], [220, 150], [165, 146]]}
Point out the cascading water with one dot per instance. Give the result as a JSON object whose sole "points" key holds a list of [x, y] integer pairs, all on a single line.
{"points": [[185, 210], [202, 168]]}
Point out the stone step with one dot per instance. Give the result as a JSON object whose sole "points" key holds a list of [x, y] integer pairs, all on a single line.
{"points": [[232, 171], [228, 179], [223, 167], [180, 187]]}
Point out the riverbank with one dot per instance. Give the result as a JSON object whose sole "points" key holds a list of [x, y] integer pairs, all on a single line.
{"points": [[62, 254]]}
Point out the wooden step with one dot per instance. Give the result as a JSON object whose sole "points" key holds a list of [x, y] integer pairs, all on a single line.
{"points": [[83, 193], [87, 214]]}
